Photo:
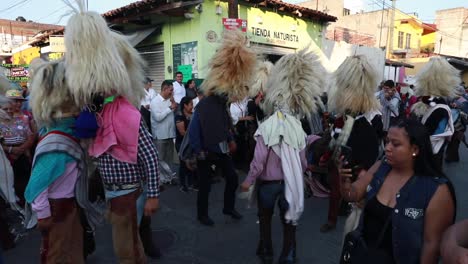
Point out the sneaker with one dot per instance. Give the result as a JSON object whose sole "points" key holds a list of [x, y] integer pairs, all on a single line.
{"points": [[193, 188], [183, 189]]}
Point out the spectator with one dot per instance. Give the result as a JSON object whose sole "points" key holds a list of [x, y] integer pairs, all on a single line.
{"points": [[191, 89], [454, 248], [182, 120], [145, 110], [197, 99], [390, 101], [409, 201], [241, 119], [179, 89], [18, 140], [162, 122]]}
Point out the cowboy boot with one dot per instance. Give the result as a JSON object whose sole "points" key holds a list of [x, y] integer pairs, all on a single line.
{"points": [[265, 245], [147, 239], [288, 254]]}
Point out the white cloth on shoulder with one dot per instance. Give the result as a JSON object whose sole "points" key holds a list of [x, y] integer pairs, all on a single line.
{"points": [[438, 140], [284, 134]]}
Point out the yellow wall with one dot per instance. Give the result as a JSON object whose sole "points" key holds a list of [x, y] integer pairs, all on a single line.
{"points": [[408, 28], [26, 56]]}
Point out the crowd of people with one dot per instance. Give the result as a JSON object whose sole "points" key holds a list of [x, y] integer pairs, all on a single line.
{"points": [[81, 142]]}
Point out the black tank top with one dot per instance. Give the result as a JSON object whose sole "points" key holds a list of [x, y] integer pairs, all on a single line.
{"points": [[375, 216]]}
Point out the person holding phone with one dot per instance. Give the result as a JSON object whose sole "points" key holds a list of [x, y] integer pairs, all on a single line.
{"points": [[357, 127]]}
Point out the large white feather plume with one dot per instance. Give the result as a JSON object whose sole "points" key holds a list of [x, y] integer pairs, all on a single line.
{"points": [[259, 84], [95, 60], [437, 78], [295, 84], [353, 87]]}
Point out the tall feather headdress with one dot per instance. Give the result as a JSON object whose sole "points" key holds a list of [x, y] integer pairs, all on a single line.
{"points": [[260, 79], [97, 58], [353, 87], [50, 96], [295, 84], [232, 68], [437, 78]]}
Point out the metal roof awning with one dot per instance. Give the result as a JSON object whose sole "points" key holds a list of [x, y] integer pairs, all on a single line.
{"points": [[458, 63], [398, 64]]}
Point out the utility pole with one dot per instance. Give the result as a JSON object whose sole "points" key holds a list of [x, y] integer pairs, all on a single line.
{"points": [[381, 23], [392, 27], [233, 11], [440, 45]]}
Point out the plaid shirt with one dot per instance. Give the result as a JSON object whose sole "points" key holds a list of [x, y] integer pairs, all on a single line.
{"points": [[114, 171]]}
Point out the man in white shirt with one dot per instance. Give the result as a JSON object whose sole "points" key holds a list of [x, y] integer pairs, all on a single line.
{"points": [[179, 89], [162, 122], [150, 94]]}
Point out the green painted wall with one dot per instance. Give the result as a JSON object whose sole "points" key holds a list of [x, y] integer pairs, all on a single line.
{"points": [[284, 30]]}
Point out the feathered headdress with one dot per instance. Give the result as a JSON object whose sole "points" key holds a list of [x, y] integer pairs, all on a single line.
{"points": [[437, 78], [295, 84], [353, 88], [4, 86], [50, 96], [98, 59], [232, 67], [260, 80]]}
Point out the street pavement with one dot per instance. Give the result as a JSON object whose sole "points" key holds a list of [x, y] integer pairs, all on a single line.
{"points": [[184, 241]]}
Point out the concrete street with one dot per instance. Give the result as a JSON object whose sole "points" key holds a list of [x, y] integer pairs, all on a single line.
{"points": [[183, 240]]}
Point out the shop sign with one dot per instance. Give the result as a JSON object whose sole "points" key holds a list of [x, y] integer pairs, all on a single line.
{"points": [[274, 36], [57, 43], [17, 73], [235, 23]]}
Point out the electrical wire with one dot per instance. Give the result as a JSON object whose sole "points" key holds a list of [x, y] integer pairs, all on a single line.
{"points": [[438, 30], [19, 3]]}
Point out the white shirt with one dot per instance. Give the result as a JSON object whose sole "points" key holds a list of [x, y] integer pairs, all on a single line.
{"points": [[149, 96], [238, 109], [195, 101], [179, 91], [162, 118]]}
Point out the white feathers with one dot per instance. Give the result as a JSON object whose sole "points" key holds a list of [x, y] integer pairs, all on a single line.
{"points": [[50, 95], [437, 78], [99, 60], [232, 67], [353, 87], [295, 84], [263, 71]]}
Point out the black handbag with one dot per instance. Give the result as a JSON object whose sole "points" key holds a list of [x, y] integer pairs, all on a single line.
{"points": [[356, 251]]}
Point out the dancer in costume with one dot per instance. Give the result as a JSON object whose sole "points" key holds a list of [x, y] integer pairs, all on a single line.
{"points": [[294, 90], [211, 131], [58, 184], [104, 73], [435, 82], [357, 129]]}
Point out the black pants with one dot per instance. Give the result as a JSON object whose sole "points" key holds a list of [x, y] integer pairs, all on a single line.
{"points": [[22, 172], [205, 174]]}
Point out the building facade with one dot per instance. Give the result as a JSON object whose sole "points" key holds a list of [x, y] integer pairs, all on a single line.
{"points": [[187, 35]]}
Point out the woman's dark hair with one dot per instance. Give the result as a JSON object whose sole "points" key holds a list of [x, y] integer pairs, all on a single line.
{"points": [[189, 82], [183, 102], [424, 164]]}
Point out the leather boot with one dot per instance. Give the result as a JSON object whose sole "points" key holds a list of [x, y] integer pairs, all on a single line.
{"points": [[265, 245], [288, 254], [147, 239]]}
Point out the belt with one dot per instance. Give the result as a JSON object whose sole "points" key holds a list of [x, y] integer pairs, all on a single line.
{"points": [[121, 186], [272, 182]]}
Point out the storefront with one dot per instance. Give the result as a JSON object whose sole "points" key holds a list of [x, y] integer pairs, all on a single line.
{"points": [[188, 35]]}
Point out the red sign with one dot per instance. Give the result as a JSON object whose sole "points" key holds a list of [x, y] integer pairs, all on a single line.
{"points": [[235, 23]]}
